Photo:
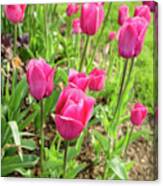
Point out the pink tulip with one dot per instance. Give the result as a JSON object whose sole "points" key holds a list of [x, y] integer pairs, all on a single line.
{"points": [[97, 79], [143, 11], [123, 14], [73, 111], [15, 13], [72, 8], [138, 114], [78, 80], [112, 36], [76, 26], [131, 37], [40, 78], [92, 16], [150, 4]]}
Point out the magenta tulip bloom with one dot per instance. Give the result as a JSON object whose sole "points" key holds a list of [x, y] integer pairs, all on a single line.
{"points": [[73, 111], [97, 79], [15, 13], [112, 36], [92, 16], [131, 37], [150, 4], [76, 26], [123, 14], [72, 8], [40, 78], [138, 114], [143, 11], [78, 80]]}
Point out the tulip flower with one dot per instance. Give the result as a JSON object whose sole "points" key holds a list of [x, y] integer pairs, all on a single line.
{"points": [[138, 114], [123, 14], [72, 8], [92, 16], [73, 111], [150, 4], [143, 11], [97, 79], [76, 26], [40, 78], [15, 13], [78, 80], [112, 36], [131, 37]]}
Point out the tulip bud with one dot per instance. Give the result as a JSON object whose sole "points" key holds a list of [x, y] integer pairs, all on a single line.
{"points": [[76, 26], [123, 14], [15, 13], [92, 16], [150, 4], [78, 80], [112, 36], [97, 79], [143, 11], [73, 111], [138, 114], [131, 37], [40, 78], [72, 8]]}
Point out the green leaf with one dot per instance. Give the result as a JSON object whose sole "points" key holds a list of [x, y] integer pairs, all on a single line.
{"points": [[11, 163], [15, 132], [51, 101], [103, 140], [118, 168], [16, 136], [79, 143], [25, 173], [18, 95], [28, 120], [74, 169], [71, 154], [61, 74], [28, 144]]}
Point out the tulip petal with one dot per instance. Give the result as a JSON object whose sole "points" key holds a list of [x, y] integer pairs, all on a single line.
{"points": [[127, 41], [37, 83], [88, 109], [68, 127], [50, 83], [75, 111]]}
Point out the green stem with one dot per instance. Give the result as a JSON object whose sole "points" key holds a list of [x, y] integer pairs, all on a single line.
{"points": [[42, 133], [121, 85], [101, 32], [15, 39], [65, 158], [84, 54], [129, 74], [130, 134], [124, 90]]}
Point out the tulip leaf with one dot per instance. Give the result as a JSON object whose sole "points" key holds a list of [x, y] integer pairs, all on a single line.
{"points": [[11, 163], [74, 169], [79, 142], [118, 168], [103, 140], [16, 136], [28, 144], [51, 101], [17, 97], [28, 120]]}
